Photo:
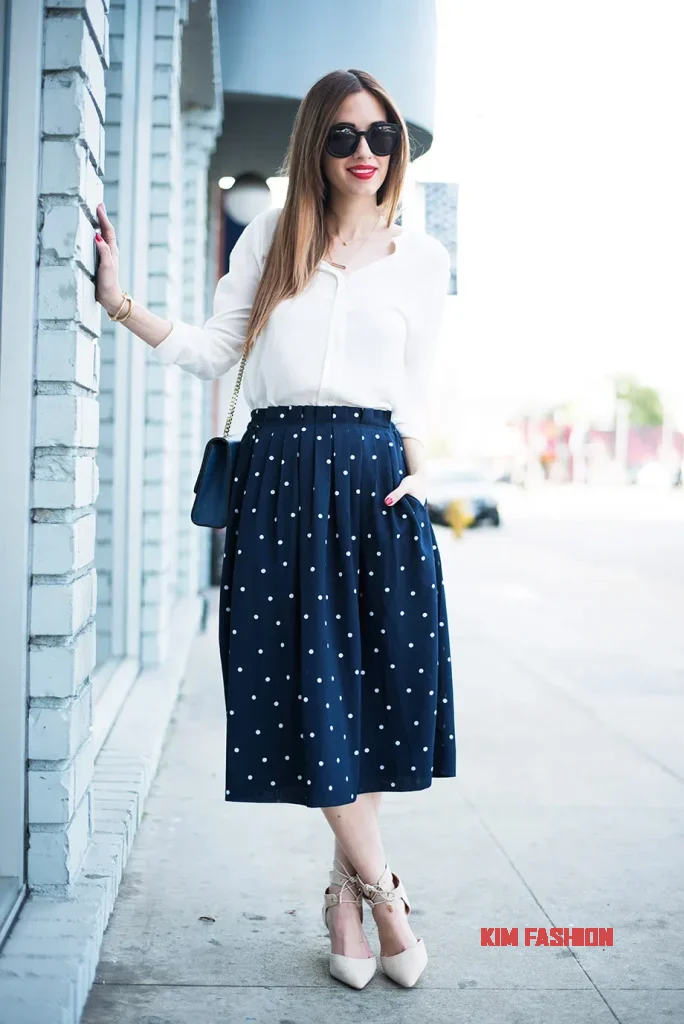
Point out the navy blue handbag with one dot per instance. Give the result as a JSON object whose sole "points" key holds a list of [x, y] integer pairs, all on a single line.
{"points": [[212, 487]]}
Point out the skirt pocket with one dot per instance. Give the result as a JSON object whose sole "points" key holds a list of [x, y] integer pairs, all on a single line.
{"points": [[419, 505]]}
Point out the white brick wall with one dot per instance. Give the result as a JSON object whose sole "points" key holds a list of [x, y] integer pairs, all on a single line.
{"points": [[62, 605], [65, 480], [77, 846], [68, 354], [60, 548], [56, 854], [57, 669], [54, 793], [64, 419], [57, 731], [48, 963]]}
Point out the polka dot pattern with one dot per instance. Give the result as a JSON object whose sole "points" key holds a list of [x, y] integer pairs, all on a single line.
{"points": [[333, 627]]}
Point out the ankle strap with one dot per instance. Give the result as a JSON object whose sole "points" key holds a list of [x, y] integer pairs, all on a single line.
{"points": [[388, 889], [348, 884]]}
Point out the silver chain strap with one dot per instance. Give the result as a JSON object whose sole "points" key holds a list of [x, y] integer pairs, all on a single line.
{"points": [[236, 389]]}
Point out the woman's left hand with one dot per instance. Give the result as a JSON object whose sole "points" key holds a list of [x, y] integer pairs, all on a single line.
{"points": [[413, 483]]}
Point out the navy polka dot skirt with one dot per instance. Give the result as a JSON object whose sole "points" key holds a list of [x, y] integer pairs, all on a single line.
{"points": [[333, 626]]}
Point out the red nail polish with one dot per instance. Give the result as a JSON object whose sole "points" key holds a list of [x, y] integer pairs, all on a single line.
{"points": [[388, 501], [98, 236]]}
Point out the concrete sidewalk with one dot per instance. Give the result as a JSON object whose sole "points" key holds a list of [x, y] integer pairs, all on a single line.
{"points": [[556, 819]]}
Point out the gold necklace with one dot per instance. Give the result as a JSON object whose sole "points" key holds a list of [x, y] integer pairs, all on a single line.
{"points": [[343, 266]]}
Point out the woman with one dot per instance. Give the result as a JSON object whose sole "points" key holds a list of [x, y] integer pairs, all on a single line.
{"points": [[332, 621]]}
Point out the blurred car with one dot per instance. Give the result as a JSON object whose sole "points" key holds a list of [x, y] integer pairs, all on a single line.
{"points": [[470, 487], [656, 475]]}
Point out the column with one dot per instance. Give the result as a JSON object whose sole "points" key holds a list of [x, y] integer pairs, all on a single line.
{"points": [[199, 136], [63, 593], [162, 427]]}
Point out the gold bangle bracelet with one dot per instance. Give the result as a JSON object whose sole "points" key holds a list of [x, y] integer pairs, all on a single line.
{"points": [[123, 303], [130, 310], [116, 316]]}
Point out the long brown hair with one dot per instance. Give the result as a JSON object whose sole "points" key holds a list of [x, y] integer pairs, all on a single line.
{"points": [[301, 238]]}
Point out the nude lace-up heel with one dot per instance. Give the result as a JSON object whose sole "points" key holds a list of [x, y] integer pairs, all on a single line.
{"points": [[406, 967], [354, 971]]}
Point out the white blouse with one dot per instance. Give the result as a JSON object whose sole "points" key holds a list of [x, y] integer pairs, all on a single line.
{"points": [[363, 337]]}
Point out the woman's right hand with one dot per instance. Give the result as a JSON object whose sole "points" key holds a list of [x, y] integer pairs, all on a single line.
{"points": [[107, 289], [151, 328]]}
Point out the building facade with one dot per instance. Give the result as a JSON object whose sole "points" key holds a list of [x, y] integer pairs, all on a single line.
{"points": [[145, 104]]}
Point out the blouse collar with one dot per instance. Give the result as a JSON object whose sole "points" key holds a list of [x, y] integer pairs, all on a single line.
{"points": [[398, 244]]}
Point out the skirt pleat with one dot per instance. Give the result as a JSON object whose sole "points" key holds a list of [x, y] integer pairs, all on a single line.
{"points": [[333, 629]]}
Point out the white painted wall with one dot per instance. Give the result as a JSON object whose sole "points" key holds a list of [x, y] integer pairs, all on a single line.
{"points": [[162, 427], [199, 133]]}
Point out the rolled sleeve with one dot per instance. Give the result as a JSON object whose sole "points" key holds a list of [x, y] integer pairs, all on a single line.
{"points": [[410, 414], [170, 348], [210, 351]]}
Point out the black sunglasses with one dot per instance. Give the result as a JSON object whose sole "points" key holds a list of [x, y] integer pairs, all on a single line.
{"points": [[382, 136]]}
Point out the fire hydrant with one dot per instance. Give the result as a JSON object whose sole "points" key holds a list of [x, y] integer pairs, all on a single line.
{"points": [[458, 516]]}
